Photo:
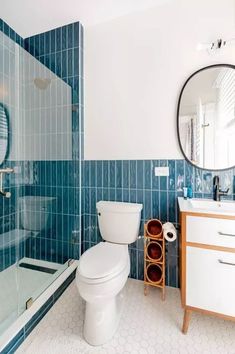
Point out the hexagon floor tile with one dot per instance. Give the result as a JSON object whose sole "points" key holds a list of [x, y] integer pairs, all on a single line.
{"points": [[148, 325]]}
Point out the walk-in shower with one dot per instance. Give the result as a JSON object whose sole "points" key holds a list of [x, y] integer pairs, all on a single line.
{"points": [[40, 170]]}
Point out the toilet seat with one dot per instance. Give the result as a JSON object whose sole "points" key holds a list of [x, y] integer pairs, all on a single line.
{"points": [[103, 262]]}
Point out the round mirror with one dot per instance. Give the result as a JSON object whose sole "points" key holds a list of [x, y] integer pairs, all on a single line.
{"points": [[206, 118], [3, 133]]}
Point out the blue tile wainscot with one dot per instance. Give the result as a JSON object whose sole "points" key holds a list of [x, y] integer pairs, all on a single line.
{"points": [[134, 181]]}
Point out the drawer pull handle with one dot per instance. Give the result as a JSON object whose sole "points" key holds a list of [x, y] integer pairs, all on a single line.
{"points": [[227, 263], [225, 234]]}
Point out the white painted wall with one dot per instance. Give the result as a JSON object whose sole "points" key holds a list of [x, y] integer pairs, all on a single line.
{"points": [[29, 17], [135, 67]]}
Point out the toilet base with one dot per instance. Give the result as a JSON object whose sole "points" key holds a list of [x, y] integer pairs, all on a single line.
{"points": [[102, 319]]}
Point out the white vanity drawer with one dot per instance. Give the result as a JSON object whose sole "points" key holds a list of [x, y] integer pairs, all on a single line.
{"points": [[210, 231], [210, 282]]}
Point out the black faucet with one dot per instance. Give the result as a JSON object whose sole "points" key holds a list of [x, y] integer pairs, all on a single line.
{"points": [[217, 192]]}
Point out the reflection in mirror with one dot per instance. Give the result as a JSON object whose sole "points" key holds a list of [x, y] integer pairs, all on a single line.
{"points": [[206, 118], [3, 133]]}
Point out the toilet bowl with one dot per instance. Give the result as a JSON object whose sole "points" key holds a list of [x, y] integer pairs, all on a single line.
{"points": [[100, 287], [104, 268]]}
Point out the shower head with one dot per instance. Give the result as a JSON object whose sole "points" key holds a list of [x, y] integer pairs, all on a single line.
{"points": [[41, 84]]}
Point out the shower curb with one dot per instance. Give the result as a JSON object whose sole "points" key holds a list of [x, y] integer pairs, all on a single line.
{"points": [[50, 296]]}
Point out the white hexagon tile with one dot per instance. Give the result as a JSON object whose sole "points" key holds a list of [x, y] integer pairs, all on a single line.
{"points": [[148, 325]]}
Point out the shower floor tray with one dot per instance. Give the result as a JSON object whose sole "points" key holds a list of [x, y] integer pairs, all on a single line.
{"points": [[23, 281]]}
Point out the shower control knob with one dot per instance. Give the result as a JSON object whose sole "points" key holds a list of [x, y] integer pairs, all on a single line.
{"points": [[8, 194]]}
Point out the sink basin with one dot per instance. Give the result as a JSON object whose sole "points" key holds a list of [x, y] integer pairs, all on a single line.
{"points": [[211, 205], [207, 206]]}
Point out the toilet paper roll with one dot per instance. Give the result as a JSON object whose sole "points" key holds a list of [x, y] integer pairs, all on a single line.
{"points": [[169, 232]]}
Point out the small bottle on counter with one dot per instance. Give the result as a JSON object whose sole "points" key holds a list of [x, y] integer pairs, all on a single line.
{"points": [[185, 190], [190, 192]]}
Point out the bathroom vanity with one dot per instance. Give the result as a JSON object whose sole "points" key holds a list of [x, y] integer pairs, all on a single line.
{"points": [[207, 258]]}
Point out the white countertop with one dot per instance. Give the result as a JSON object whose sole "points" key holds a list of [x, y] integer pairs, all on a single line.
{"points": [[185, 205]]}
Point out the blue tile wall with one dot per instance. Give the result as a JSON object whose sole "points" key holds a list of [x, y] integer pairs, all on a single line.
{"points": [[8, 31], [134, 181], [61, 50], [62, 240], [8, 207]]}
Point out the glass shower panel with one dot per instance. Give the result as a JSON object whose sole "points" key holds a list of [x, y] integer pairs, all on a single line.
{"points": [[10, 239], [39, 222], [46, 154]]}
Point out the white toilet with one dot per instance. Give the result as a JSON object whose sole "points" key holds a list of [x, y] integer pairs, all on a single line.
{"points": [[36, 212], [103, 269]]}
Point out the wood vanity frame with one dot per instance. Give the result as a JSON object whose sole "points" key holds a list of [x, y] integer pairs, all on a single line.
{"points": [[183, 244]]}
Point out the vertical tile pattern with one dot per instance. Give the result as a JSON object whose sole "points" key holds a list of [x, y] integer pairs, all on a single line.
{"points": [[42, 95], [9, 32], [134, 181], [8, 99], [60, 50], [47, 142]]}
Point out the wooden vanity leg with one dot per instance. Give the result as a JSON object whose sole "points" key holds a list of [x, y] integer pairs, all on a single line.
{"points": [[187, 317]]}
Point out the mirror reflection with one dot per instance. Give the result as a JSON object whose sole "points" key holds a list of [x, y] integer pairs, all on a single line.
{"points": [[206, 118], [3, 133]]}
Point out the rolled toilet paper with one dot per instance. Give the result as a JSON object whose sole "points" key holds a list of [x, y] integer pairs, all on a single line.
{"points": [[169, 232]]}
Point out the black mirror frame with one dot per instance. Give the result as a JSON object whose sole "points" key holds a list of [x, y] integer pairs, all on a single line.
{"points": [[8, 133], [178, 110]]}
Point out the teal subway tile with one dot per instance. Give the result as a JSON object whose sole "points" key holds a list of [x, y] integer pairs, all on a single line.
{"points": [[118, 196], [155, 204], [126, 195], [140, 264], [133, 174], [163, 206], [58, 35], [147, 174], [93, 173], [112, 174], [99, 174], [155, 179], [140, 174], [112, 194], [172, 174], [76, 34], [118, 174], [147, 204], [133, 196], [125, 174], [64, 37]]}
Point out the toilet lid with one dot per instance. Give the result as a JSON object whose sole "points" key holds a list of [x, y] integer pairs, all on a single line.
{"points": [[103, 260]]}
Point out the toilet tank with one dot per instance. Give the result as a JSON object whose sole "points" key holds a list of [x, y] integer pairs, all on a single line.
{"points": [[36, 212], [119, 222]]}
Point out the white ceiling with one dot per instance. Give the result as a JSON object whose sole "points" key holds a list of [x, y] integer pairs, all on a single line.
{"points": [[28, 17]]}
